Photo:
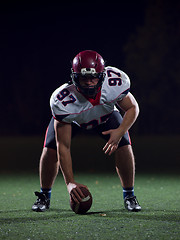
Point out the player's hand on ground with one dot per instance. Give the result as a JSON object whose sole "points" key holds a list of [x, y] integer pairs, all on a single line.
{"points": [[113, 142], [75, 191]]}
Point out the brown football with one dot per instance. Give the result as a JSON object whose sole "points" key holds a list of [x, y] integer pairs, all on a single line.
{"points": [[84, 205]]}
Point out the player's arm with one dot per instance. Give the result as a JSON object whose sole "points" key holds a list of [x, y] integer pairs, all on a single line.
{"points": [[63, 140], [130, 106]]}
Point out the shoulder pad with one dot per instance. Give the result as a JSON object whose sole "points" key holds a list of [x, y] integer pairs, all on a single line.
{"points": [[116, 84]]}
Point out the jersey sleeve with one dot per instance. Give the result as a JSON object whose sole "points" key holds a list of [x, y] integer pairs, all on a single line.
{"points": [[116, 85], [125, 85], [58, 111]]}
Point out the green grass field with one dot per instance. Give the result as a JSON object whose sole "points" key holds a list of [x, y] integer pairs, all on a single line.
{"points": [[158, 195]]}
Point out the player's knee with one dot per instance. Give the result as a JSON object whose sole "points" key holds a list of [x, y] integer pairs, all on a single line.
{"points": [[49, 154], [125, 149]]}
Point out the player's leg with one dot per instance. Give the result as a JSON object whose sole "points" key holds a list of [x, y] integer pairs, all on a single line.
{"points": [[125, 165], [124, 162], [48, 170]]}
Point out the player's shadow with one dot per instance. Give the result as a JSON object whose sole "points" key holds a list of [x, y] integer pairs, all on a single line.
{"points": [[147, 214], [30, 216], [92, 213]]}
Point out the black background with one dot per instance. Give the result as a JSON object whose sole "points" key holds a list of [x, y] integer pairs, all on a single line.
{"points": [[38, 41]]}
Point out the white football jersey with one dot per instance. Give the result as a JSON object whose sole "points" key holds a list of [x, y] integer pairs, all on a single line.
{"points": [[68, 105]]}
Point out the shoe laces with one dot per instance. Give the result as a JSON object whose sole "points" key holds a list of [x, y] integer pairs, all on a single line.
{"points": [[41, 198], [133, 199]]}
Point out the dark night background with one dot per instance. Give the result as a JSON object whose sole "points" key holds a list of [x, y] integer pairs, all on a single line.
{"points": [[38, 41]]}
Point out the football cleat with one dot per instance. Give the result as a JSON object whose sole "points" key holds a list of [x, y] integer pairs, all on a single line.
{"points": [[42, 203], [131, 204]]}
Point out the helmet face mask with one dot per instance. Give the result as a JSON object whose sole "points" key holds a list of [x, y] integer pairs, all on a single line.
{"points": [[89, 91], [88, 65]]}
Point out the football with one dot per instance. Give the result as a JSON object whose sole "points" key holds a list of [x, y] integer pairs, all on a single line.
{"points": [[84, 205]]}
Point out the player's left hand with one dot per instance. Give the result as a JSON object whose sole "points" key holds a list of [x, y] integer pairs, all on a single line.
{"points": [[113, 142]]}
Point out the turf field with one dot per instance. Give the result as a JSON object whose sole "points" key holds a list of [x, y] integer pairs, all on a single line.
{"points": [[158, 195]]}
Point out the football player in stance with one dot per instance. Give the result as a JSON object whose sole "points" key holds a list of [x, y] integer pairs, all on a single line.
{"points": [[89, 101]]}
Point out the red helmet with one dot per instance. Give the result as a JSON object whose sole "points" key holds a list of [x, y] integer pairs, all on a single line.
{"points": [[88, 64]]}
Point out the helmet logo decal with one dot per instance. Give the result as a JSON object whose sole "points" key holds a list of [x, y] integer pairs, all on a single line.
{"points": [[85, 71]]}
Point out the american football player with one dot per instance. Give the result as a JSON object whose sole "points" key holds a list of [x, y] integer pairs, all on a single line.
{"points": [[89, 101]]}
